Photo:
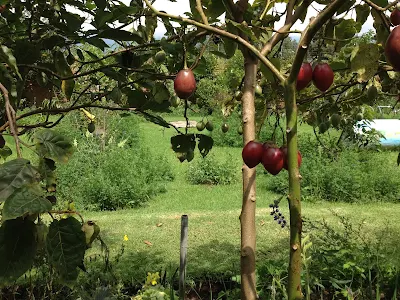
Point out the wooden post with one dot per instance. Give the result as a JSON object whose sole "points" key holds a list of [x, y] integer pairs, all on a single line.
{"points": [[183, 256]]}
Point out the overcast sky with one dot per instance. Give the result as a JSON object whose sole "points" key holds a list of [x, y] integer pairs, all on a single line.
{"points": [[181, 6]]}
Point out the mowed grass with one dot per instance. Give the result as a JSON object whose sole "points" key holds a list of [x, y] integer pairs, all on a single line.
{"points": [[214, 227]]}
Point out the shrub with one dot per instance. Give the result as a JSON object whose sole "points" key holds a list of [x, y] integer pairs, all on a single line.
{"points": [[350, 176], [111, 171], [339, 260], [210, 170]]}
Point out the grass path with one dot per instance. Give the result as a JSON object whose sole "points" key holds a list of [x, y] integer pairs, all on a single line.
{"points": [[214, 228]]}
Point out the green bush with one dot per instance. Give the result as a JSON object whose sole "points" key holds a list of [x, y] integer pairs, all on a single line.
{"points": [[111, 171], [344, 259], [212, 170], [351, 176]]}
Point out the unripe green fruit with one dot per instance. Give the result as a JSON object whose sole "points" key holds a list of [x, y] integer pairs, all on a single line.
{"points": [[258, 90], [335, 120], [91, 127], [175, 101], [240, 130], [209, 126], [160, 57], [372, 93], [323, 127], [200, 126], [359, 117], [225, 128]]}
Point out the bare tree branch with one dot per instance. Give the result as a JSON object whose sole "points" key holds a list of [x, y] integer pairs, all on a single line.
{"points": [[377, 7], [276, 38]]}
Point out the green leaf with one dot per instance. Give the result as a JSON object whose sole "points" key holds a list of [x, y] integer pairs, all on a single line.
{"points": [[101, 4], [61, 65], [52, 145], [160, 92], [136, 98], [151, 25], [5, 152], [7, 57], [230, 46], [365, 61], [67, 87], [80, 54], [115, 95], [381, 3], [267, 72], [243, 28], [17, 248], [66, 245], [362, 12], [382, 33], [345, 7], [347, 29], [183, 145], [156, 119], [26, 200], [120, 35], [338, 65], [14, 175], [205, 144]]}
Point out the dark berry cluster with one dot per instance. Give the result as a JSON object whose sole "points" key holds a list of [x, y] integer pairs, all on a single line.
{"points": [[278, 216]]}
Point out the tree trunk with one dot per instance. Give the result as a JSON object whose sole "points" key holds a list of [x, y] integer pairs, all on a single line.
{"points": [[294, 281], [247, 217]]}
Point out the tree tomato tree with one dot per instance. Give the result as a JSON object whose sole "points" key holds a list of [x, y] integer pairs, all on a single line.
{"points": [[44, 45]]}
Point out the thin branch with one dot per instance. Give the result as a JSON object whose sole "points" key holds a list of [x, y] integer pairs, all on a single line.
{"points": [[199, 8], [289, 10], [377, 7], [197, 61], [55, 111], [226, 34], [276, 38], [11, 119]]}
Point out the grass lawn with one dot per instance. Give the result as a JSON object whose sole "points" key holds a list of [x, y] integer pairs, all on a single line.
{"points": [[214, 228]]}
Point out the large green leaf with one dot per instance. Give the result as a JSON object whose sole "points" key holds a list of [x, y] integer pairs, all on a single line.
{"points": [[7, 56], [230, 46], [267, 72], [52, 145], [17, 248], [61, 65], [362, 12], [26, 200], [205, 144], [66, 245], [184, 145], [14, 175], [365, 61]]}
